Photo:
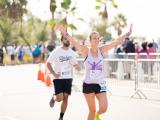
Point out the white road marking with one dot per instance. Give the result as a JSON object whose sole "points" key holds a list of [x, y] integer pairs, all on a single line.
{"points": [[10, 118], [154, 106]]}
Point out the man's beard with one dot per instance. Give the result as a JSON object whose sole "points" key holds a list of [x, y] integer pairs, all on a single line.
{"points": [[66, 45]]}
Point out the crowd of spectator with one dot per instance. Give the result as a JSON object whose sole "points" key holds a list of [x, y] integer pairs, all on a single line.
{"points": [[41, 51]]}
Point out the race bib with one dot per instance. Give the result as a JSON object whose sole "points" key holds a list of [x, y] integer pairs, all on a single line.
{"points": [[65, 70], [103, 87], [95, 74]]}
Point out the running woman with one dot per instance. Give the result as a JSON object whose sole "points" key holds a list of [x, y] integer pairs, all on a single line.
{"points": [[62, 58], [93, 83]]}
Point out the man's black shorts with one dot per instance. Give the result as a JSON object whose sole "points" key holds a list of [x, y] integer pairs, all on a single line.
{"points": [[62, 85], [91, 88]]}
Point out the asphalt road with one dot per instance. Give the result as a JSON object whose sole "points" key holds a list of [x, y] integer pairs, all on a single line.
{"points": [[23, 97]]}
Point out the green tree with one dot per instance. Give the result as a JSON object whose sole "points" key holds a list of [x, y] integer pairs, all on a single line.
{"points": [[43, 33], [99, 26], [66, 9], [119, 23], [81, 36], [34, 30], [13, 10], [6, 27], [104, 14]]}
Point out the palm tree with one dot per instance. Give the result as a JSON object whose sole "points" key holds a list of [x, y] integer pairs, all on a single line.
{"points": [[66, 8], [65, 5], [104, 14], [119, 23], [12, 10], [53, 9], [4, 7]]}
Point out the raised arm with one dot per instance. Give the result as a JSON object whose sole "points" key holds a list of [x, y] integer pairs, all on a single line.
{"points": [[107, 47], [83, 49]]}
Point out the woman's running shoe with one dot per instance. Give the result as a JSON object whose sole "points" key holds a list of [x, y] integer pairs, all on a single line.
{"points": [[97, 118]]}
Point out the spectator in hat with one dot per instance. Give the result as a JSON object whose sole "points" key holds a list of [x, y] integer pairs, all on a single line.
{"points": [[126, 40], [103, 42], [20, 54], [129, 48], [120, 50]]}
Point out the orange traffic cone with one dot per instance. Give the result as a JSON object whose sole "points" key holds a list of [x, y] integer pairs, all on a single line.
{"points": [[42, 77], [48, 80], [39, 72]]}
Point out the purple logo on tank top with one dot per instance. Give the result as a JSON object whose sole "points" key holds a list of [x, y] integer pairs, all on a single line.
{"points": [[96, 66]]}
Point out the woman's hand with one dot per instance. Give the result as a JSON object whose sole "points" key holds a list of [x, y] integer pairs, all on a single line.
{"points": [[131, 27], [62, 29]]}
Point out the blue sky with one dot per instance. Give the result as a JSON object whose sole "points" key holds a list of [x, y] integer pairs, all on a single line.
{"points": [[144, 14]]}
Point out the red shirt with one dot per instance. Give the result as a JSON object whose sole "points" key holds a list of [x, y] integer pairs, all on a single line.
{"points": [[151, 50]]}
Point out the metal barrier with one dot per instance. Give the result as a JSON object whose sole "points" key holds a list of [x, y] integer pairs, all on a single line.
{"points": [[119, 73], [141, 74], [148, 77], [156, 55]]}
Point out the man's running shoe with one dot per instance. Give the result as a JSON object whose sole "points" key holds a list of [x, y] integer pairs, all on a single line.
{"points": [[97, 118], [60, 118], [52, 102]]}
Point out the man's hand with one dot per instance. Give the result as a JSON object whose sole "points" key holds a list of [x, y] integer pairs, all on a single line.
{"points": [[57, 75], [76, 67]]}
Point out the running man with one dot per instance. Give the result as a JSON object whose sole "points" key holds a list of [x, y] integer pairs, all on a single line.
{"points": [[94, 85], [62, 58]]}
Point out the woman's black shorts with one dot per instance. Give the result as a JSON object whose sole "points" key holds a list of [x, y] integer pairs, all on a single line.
{"points": [[62, 85], [91, 88]]}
